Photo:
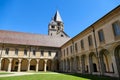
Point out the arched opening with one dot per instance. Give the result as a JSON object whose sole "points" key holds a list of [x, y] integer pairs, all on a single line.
{"points": [[77, 63], [15, 63], [93, 62], [4, 64], [64, 62], [68, 61], [117, 58], [41, 65], [49, 63], [72, 64], [33, 64], [24, 65], [106, 61], [84, 64], [57, 65]]}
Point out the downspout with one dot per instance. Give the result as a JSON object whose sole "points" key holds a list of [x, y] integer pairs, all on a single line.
{"points": [[96, 49]]}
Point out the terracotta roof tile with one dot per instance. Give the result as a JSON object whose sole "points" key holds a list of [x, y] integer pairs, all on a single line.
{"points": [[31, 39]]}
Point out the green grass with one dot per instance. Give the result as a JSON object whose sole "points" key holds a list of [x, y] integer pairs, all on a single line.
{"points": [[57, 77]]}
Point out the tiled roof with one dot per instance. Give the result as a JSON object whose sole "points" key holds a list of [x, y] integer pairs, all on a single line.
{"points": [[12, 37]]}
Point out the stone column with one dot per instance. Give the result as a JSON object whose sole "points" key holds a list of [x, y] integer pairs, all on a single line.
{"points": [[116, 68], [37, 65], [29, 64], [9, 65], [19, 65], [102, 67], [90, 65], [45, 65]]}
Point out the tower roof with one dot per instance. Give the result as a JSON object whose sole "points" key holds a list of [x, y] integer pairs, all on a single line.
{"points": [[57, 16]]}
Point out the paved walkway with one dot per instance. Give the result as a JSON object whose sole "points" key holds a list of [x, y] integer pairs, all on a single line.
{"points": [[24, 73], [15, 74]]}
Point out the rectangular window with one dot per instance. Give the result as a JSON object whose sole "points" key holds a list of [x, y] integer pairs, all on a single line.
{"points": [[16, 51], [49, 53], [71, 49], [7, 51], [56, 54], [76, 49], [67, 51], [64, 52], [42, 53], [82, 44], [116, 28], [34, 52], [101, 35], [25, 52], [90, 40]]}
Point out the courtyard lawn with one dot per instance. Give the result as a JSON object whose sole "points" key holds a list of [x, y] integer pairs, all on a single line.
{"points": [[56, 76]]}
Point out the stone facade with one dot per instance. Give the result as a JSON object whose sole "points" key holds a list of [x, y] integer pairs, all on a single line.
{"points": [[96, 50], [26, 58]]}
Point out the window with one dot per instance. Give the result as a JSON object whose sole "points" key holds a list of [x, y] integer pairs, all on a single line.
{"points": [[56, 54], [58, 24], [49, 53], [82, 44], [25, 52], [58, 28], [76, 47], [53, 27], [62, 35], [116, 28], [16, 51], [7, 51], [90, 40], [64, 52], [101, 35], [34, 52], [71, 49], [67, 51], [42, 53]]}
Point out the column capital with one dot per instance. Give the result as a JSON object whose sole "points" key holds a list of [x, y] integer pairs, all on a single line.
{"points": [[37, 60], [29, 60], [10, 59], [45, 60], [20, 60]]}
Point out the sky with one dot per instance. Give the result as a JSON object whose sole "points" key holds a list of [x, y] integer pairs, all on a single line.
{"points": [[33, 16]]}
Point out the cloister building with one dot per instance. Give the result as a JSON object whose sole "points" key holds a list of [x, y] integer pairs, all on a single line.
{"points": [[96, 50]]}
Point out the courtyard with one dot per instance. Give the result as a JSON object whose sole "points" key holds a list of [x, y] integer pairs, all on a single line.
{"points": [[49, 76]]}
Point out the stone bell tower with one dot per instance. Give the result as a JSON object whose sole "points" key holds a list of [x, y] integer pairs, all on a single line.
{"points": [[56, 26]]}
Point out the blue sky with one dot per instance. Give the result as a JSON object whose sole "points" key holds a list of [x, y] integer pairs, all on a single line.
{"points": [[33, 16]]}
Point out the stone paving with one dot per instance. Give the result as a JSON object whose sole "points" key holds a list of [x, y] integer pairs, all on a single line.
{"points": [[24, 73]]}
